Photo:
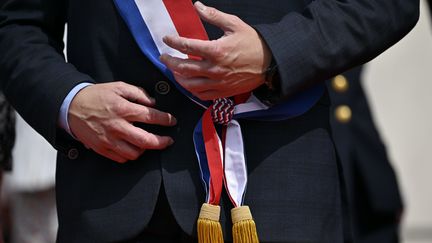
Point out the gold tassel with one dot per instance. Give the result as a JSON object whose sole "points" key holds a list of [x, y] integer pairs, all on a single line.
{"points": [[244, 228], [209, 228]]}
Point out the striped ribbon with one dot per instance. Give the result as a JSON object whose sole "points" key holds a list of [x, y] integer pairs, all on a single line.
{"points": [[219, 149]]}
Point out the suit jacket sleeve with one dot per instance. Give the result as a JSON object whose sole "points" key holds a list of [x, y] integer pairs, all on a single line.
{"points": [[331, 36], [33, 73]]}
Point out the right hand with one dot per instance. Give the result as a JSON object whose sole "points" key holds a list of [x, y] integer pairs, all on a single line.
{"points": [[101, 116]]}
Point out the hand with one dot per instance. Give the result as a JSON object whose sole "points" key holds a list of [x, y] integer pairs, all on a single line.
{"points": [[231, 65], [101, 116]]}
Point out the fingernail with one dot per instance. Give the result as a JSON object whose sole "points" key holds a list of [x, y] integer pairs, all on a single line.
{"points": [[152, 100], [200, 6], [164, 58], [170, 142], [173, 120], [167, 38]]}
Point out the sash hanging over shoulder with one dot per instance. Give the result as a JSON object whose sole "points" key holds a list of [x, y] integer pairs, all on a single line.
{"points": [[217, 136]]}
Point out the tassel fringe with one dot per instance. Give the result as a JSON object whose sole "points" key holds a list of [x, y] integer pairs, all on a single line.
{"points": [[244, 228], [208, 226]]}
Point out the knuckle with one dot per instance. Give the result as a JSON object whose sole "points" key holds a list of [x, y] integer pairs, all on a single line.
{"points": [[120, 108], [218, 51], [186, 45], [217, 71], [212, 13], [112, 127], [104, 142], [142, 141], [234, 19], [182, 67], [120, 85]]}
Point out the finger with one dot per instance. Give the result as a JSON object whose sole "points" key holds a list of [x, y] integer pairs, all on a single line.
{"points": [[126, 150], [195, 85], [145, 140], [134, 94], [226, 22], [188, 67], [202, 48], [148, 115], [211, 95], [107, 153]]}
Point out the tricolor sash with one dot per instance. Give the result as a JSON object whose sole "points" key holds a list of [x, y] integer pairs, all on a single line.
{"points": [[219, 148]]}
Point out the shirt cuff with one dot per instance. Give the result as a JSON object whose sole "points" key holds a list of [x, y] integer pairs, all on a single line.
{"points": [[64, 109]]}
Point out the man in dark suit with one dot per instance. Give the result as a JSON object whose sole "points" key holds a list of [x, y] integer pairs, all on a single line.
{"points": [[374, 200], [295, 185]]}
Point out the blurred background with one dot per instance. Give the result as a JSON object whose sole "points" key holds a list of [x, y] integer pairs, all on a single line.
{"points": [[399, 87]]}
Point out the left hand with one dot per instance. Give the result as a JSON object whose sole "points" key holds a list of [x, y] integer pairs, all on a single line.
{"points": [[231, 65]]}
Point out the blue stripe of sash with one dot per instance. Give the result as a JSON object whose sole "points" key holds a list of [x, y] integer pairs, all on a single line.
{"points": [[202, 157], [131, 15]]}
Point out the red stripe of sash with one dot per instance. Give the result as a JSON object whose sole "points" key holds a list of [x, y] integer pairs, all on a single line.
{"points": [[213, 157], [186, 20]]}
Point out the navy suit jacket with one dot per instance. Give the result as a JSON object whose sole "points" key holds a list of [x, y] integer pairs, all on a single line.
{"points": [[294, 185]]}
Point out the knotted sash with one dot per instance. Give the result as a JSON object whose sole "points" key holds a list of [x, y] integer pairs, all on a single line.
{"points": [[219, 149]]}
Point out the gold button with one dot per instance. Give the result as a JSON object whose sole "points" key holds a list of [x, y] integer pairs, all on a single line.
{"points": [[340, 84], [343, 114]]}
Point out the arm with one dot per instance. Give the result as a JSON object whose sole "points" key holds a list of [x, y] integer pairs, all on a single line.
{"points": [[34, 75], [328, 37], [36, 79]]}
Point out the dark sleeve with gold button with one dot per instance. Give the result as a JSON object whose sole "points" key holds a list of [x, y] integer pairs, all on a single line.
{"points": [[329, 37], [369, 177]]}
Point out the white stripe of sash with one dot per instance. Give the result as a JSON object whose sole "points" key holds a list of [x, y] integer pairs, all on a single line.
{"points": [[252, 104], [235, 163], [160, 24]]}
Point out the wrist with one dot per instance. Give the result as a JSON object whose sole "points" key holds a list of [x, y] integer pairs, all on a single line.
{"points": [[271, 76], [65, 107]]}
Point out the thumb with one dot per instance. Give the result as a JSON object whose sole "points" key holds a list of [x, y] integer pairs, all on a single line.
{"points": [[226, 22]]}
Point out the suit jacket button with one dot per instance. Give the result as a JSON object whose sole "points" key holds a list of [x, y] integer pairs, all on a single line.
{"points": [[73, 154], [162, 87], [340, 84], [343, 114]]}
